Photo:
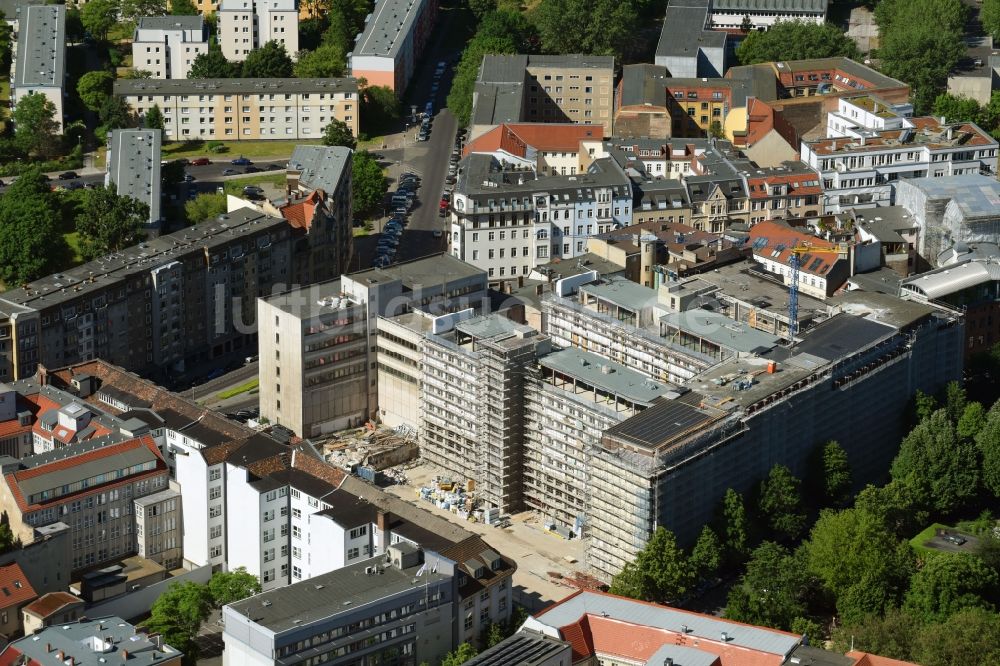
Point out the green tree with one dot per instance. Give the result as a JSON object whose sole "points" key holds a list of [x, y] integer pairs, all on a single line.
{"points": [[177, 615], [795, 40], [923, 406], [232, 586], [988, 444], [183, 8], [337, 133], [98, 17], [736, 526], [970, 637], [154, 118], [775, 589], [853, 547], [895, 505], [661, 571], [213, 65], [812, 630], [957, 109], [204, 207], [74, 25], [114, 114], [494, 634], [109, 222], [780, 503], [35, 127], [955, 401], [921, 41], [890, 635], [171, 174], [29, 240], [972, 421], [596, 27], [706, 556], [6, 35], [95, 87], [949, 582], [989, 16], [133, 9], [934, 461], [324, 61], [482, 7], [368, 183], [463, 653], [630, 582], [270, 61], [833, 474], [379, 109]]}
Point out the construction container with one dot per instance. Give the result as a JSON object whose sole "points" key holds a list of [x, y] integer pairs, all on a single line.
{"points": [[470, 485], [771, 367]]}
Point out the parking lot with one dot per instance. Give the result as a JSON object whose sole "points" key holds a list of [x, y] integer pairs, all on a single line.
{"points": [[538, 553]]}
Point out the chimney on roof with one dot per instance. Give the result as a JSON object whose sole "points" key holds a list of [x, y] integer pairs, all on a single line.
{"points": [[124, 655]]}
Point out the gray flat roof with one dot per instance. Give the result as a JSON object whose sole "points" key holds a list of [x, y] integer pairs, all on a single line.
{"points": [[233, 86], [721, 330], [701, 627], [682, 656], [170, 23], [387, 26], [622, 292], [156, 498], [327, 595], [41, 47], [582, 263], [662, 422], [489, 326], [321, 167], [605, 374], [430, 270], [887, 309], [842, 335], [975, 196], [497, 103], [134, 166], [644, 84], [684, 30]]}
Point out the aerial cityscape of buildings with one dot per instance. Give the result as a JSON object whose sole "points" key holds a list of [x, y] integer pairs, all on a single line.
{"points": [[646, 286]]}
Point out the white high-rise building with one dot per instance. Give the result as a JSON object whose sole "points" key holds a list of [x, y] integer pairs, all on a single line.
{"points": [[245, 25], [166, 46]]}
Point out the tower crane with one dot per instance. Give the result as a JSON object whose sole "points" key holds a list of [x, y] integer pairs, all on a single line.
{"points": [[793, 287]]}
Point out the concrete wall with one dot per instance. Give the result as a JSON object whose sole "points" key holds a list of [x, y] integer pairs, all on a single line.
{"points": [[47, 561], [137, 604]]}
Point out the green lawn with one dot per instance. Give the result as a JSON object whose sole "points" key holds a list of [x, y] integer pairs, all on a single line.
{"points": [[235, 187], [73, 240], [242, 388], [252, 149], [918, 541]]}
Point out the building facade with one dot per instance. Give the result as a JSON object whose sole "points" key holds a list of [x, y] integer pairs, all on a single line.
{"points": [[733, 14], [158, 528], [388, 51], [244, 109], [166, 46], [245, 25]]}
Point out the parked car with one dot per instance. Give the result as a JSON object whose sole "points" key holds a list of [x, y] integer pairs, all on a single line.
{"points": [[436, 233], [68, 175], [93, 185], [241, 161], [230, 172], [253, 192], [201, 161], [188, 178], [273, 167], [74, 185], [252, 169]]}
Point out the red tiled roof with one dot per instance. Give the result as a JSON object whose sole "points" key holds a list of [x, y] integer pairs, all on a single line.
{"points": [[13, 427], [579, 637], [13, 478], [891, 138], [48, 604], [515, 138], [777, 234], [302, 213], [865, 659], [11, 655], [759, 184], [14, 586]]}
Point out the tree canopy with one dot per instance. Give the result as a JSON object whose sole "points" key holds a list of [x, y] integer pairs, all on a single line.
{"points": [[368, 184], [661, 571], [98, 17], [595, 27], [795, 40], [205, 206], [949, 582], [736, 526], [323, 62], [109, 222], [183, 8], [228, 587], [270, 61], [775, 589], [780, 502], [35, 126], [213, 65], [94, 87], [153, 118], [177, 614], [379, 109], [337, 133], [988, 444], [463, 653], [835, 471], [30, 243]]}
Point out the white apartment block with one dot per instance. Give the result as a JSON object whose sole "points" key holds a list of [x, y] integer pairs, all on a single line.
{"points": [[861, 172], [763, 14], [506, 221], [244, 109], [856, 115], [245, 25], [39, 66], [166, 46]]}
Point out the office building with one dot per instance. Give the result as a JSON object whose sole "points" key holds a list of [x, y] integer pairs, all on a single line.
{"points": [[688, 45], [92, 643], [166, 46], [507, 220], [389, 50], [183, 297], [949, 211], [244, 109], [863, 172], [39, 66], [317, 343], [406, 605], [90, 485], [246, 25], [734, 14], [568, 88], [134, 168]]}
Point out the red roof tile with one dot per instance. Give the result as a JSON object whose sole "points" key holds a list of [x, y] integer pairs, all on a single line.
{"points": [[302, 213], [777, 234], [515, 138], [865, 659], [14, 586], [11, 655], [49, 604], [13, 427]]}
